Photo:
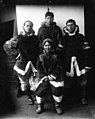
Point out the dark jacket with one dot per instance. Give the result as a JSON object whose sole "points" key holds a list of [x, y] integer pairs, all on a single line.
{"points": [[49, 64], [53, 32], [73, 45], [26, 49]]}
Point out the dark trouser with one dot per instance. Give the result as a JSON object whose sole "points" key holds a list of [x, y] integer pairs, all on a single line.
{"points": [[83, 86], [80, 83], [45, 87]]}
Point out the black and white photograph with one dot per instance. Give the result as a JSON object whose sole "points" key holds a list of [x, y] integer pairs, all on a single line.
{"points": [[47, 59]]}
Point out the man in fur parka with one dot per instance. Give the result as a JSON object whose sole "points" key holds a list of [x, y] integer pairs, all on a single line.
{"points": [[50, 77], [24, 48], [74, 54], [49, 29]]}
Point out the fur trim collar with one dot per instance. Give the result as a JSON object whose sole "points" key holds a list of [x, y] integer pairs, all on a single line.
{"points": [[71, 34], [24, 34]]}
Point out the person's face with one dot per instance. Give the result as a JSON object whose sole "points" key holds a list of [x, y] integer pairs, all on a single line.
{"points": [[49, 20], [28, 27], [71, 27], [47, 47]]}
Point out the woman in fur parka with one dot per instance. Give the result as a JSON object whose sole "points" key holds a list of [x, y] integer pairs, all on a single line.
{"points": [[50, 77]]}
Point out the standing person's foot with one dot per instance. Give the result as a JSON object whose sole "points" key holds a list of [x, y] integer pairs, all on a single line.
{"points": [[84, 101], [40, 109], [19, 93], [58, 108], [30, 101]]}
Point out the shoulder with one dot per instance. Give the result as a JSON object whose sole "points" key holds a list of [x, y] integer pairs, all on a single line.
{"points": [[80, 35], [65, 37], [41, 29], [43, 25], [20, 38], [56, 28], [35, 36], [55, 25]]}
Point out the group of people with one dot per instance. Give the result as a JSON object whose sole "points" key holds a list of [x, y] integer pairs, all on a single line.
{"points": [[44, 60]]}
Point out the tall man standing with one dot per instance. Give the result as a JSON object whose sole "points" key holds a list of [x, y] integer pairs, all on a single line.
{"points": [[49, 29]]}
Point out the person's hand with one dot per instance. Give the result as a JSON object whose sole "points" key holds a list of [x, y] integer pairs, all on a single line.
{"points": [[35, 73], [51, 77]]}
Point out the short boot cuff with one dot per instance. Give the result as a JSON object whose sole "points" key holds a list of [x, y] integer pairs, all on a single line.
{"points": [[40, 109]]}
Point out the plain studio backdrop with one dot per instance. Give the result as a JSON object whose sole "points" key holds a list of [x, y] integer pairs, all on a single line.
{"points": [[36, 13]]}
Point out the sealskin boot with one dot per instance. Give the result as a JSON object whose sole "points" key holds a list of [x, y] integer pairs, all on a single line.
{"points": [[30, 100], [58, 108], [39, 109]]}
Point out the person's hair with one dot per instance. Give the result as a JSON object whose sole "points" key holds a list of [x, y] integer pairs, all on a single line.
{"points": [[71, 20], [28, 21], [49, 14]]}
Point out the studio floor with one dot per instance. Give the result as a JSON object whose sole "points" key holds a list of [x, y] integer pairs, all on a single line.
{"points": [[21, 110]]}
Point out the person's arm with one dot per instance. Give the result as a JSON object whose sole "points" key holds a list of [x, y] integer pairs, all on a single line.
{"points": [[40, 67], [57, 70], [87, 50], [59, 38], [10, 47], [39, 34], [86, 44]]}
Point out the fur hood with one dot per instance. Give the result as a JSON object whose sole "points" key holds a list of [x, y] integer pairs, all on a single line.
{"points": [[24, 34], [65, 31]]}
